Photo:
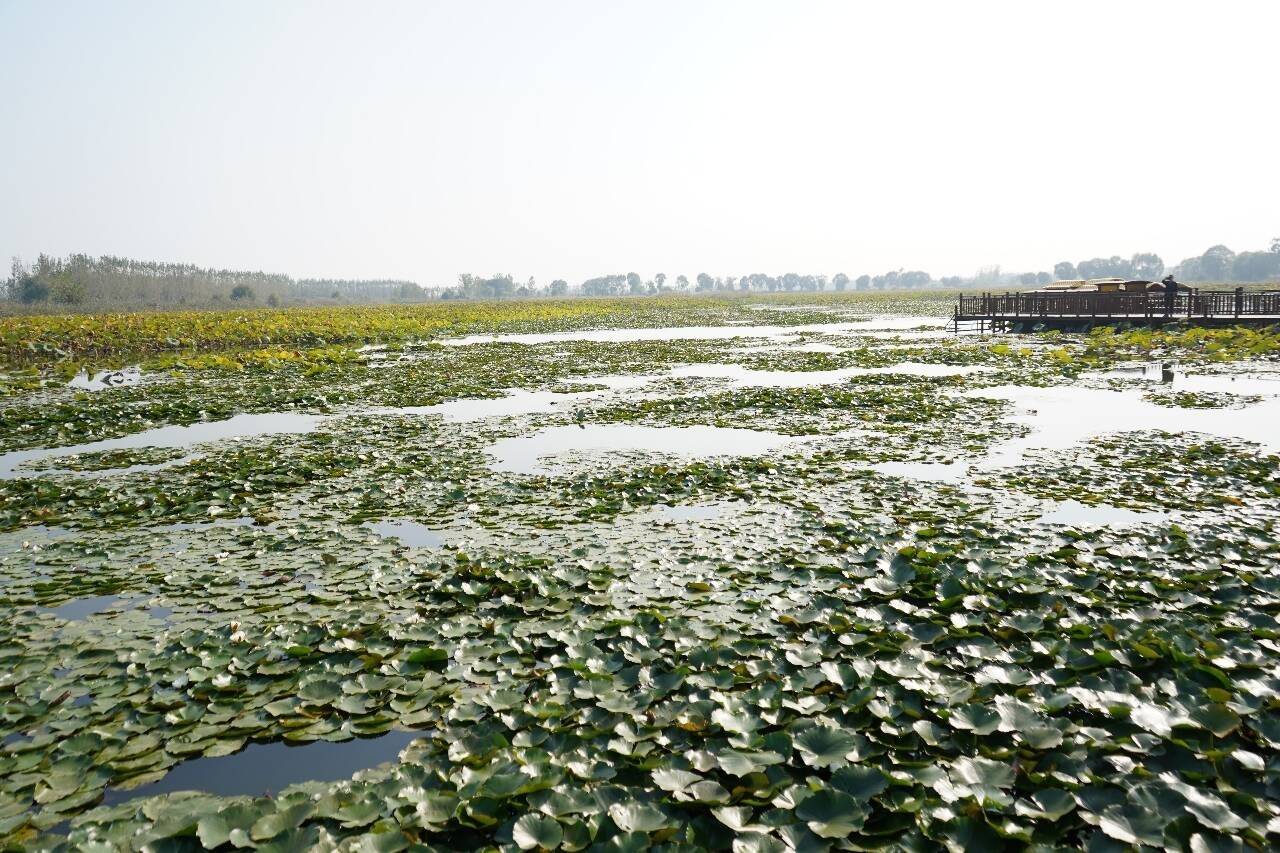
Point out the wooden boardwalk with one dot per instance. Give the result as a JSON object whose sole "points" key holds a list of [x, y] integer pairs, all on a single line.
{"points": [[1073, 311]]}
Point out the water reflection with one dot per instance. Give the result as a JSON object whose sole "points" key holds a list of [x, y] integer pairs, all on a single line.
{"points": [[105, 379], [1255, 382], [686, 333], [936, 472], [79, 609], [1062, 417], [809, 378], [705, 512], [239, 426], [408, 532], [266, 768], [1075, 514], [522, 455]]}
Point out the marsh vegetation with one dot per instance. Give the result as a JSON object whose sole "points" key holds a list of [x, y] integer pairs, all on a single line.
{"points": [[800, 572]]}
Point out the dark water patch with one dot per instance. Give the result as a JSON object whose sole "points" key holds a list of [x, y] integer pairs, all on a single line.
{"points": [[78, 609], [267, 768]]}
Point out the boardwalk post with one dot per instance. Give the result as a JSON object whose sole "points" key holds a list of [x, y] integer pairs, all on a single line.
{"points": [[1239, 301]]}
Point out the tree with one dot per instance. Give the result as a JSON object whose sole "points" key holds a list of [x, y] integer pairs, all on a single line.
{"points": [[1065, 271], [682, 282], [634, 285], [661, 280], [1189, 270], [1215, 263], [1043, 278], [242, 293], [559, 287], [1147, 265], [705, 282], [1027, 279], [1255, 266], [273, 301], [66, 289], [862, 282], [32, 289], [841, 281], [1112, 267], [1275, 246]]}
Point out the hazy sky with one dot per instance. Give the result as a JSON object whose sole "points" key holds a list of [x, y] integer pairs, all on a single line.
{"points": [[570, 139]]}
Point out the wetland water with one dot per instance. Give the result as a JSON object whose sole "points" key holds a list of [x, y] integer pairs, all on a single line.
{"points": [[263, 769], [780, 585], [525, 454]]}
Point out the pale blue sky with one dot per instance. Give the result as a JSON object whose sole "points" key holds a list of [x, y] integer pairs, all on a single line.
{"points": [[569, 139]]}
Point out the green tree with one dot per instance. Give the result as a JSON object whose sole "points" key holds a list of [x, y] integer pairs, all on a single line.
{"points": [[841, 281], [243, 293], [1255, 266], [1112, 267], [559, 287], [66, 289], [1215, 263], [1065, 271], [32, 290], [1147, 265]]}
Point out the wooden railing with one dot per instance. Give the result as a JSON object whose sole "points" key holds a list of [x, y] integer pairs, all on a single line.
{"points": [[1191, 303]]}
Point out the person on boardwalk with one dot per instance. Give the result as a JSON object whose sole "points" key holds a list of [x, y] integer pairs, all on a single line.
{"points": [[1170, 294]]}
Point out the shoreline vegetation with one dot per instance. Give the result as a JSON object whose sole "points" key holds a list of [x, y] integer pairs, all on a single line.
{"points": [[46, 338], [80, 282], [111, 339]]}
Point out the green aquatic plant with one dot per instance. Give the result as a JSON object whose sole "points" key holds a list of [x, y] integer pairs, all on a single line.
{"points": [[814, 655]]}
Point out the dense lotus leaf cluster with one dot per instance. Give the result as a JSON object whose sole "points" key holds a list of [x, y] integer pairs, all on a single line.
{"points": [[940, 681], [1156, 470], [824, 657], [107, 460], [1186, 342], [884, 401], [1202, 399], [51, 338]]}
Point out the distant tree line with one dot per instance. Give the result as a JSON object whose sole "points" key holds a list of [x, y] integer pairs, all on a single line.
{"points": [[1217, 264], [496, 287], [109, 281]]}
